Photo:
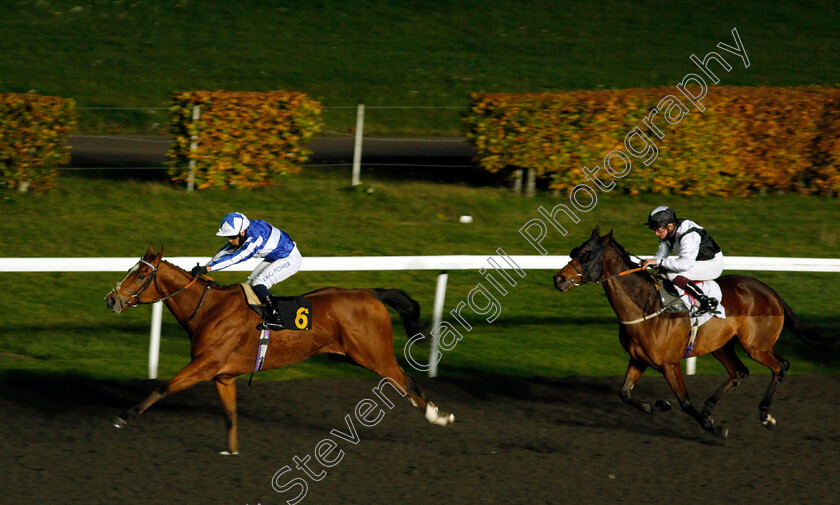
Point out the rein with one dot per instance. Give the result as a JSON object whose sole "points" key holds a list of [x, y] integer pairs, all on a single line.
{"points": [[622, 274]]}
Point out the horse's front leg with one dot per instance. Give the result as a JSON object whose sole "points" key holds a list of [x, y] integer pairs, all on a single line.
{"points": [[121, 421], [226, 387], [673, 374], [201, 368], [634, 371]]}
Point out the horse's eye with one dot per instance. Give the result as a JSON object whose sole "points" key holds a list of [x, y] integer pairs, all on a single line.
{"points": [[141, 276]]}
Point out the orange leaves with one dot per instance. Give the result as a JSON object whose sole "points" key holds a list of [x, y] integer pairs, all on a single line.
{"points": [[748, 140], [244, 139], [33, 138]]}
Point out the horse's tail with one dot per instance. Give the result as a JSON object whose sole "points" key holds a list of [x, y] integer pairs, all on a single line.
{"points": [[407, 307], [808, 335]]}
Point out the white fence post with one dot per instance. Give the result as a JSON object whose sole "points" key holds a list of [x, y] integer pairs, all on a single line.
{"points": [[357, 146], [196, 113], [154, 339], [437, 317]]}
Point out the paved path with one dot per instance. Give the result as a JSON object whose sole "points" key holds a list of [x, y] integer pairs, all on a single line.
{"points": [[95, 151]]}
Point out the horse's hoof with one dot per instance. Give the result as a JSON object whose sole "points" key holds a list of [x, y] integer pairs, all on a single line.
{"points": [[769, 422], [118, 422], [434, 416], [228, 453], [662, 405], [721, 432]]}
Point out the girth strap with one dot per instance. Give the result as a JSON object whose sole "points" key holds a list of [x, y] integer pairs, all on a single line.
{"points": [[692, 339], [261, 351]]}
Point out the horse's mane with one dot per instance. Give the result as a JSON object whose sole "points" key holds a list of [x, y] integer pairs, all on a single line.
{"points": [[622, 252], [629, 261], [213, 284]]}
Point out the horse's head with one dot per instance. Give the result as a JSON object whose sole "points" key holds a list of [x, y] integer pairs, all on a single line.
{"points": [[133, 290], [587, 264]]}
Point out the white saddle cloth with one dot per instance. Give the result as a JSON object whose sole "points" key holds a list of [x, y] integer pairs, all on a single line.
{"points": [[710, 289]]}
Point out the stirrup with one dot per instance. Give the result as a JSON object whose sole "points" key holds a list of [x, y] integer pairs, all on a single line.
{"points": [[266, 325], [707, 306], [271, 320]]}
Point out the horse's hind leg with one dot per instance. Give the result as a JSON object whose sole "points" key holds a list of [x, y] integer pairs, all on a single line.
{"points": [[634, 371], [396, 375], [673, 374], [779, 366], [226, 387], [736, 370]]}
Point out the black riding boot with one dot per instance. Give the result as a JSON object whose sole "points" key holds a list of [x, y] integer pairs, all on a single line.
{"points": [[706, 304], [272, 320]]}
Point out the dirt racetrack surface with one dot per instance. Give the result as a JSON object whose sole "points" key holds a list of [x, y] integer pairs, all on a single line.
{"points": [[528, 441]]}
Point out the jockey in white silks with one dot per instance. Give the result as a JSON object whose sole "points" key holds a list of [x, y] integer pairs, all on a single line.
{"points": [[698, 257]]}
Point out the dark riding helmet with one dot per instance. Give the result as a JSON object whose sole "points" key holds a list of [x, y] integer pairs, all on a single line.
{"points": [[661, 216]]}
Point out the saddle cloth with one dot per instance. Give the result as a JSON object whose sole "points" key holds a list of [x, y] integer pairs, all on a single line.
{"points": [[686, 303], [296, 311]]}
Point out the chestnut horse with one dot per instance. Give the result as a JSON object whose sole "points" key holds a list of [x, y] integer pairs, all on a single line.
{"points": [[353, 323], [755, 315]]}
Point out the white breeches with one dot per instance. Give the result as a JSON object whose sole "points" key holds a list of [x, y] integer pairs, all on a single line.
{"points": [[269, 273], [702, 270]]}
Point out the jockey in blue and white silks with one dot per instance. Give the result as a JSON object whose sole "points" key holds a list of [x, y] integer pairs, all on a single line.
{"points": [[699, 258], [257, 238]]}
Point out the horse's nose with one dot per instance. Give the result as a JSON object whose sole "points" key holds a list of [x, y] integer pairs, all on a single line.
{"points": [[110, 302], [558, 281]]}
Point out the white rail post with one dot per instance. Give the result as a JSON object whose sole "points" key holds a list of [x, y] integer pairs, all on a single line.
{"points": [[690, 365], [154, 339], [196, 113], [357, 146], [437, 317]]}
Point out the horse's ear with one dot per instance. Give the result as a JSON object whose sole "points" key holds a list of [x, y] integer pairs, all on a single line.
{"points": [[606, 238], [149, 252], [596, 232], [159, 254]]}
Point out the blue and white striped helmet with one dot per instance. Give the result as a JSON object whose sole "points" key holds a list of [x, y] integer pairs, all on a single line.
{"points": [[233, 224]]}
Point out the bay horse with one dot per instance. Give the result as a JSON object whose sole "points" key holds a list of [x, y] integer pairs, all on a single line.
{"points": [[352, 323], [755, 315]]}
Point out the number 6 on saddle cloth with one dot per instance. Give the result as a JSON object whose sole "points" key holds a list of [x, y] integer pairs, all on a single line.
{"points": [[296, 311]]}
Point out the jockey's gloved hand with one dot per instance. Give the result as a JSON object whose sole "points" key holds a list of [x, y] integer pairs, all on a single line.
{"points": [[198, 270]]}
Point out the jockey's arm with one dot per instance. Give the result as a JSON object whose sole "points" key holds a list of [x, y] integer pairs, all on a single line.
{"points": [[661, 252], [231, 255], [689, 248]]}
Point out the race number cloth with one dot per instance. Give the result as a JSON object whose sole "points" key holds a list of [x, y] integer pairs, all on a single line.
{"points": [[689, 304], [295, 310], [710, 289]]}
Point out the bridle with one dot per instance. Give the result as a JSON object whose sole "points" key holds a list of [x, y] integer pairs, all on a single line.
{"points": [[135, 295], [653, 287]]}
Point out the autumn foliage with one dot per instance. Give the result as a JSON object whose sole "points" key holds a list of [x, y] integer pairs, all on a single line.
{"points": [[746, 141], [33, 139], [243, 139]]}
